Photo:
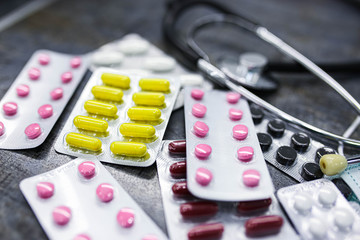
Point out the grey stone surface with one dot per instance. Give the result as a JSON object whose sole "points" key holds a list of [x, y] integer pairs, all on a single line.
{"points": [[325, 30]]}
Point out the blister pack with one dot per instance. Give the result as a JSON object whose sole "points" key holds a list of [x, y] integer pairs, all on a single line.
{"points": [[289, 150], [37, 97], [81, 200], [135, 54], [119, 118], [225, 161], [319, 211], [188, 217]]}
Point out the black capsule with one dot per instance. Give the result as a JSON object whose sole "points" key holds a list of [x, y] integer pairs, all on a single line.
{"points": [[286, 155], [311, 171], [276, 128], [323, 151], [265, 141], [343, 187], [300, 142], [257, 113]]}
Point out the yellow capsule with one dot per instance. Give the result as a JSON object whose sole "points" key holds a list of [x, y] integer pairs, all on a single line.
{"points": [[90, 124], [149, 98], [82, 141], [137, 130], [144, 113], [116, 80], [332, 164], [101, 108], [131, 149], [107, 93], [154, 84]]}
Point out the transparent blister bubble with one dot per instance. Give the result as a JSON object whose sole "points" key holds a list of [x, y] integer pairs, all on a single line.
{"points": [[227, 213]]}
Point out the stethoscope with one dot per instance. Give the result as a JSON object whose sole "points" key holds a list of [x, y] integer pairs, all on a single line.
{"points": [[248, 74]]}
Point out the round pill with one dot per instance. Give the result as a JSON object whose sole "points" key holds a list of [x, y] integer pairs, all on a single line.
{"points": [[300, 142], [33, 131], [245, 154], [44, 59], [45, 189], [200, 129], [82, 237], [240, 132], [2, 129], [323, 151], [34, 73], [57, 93], [75, 62], [22, 90], [45, 111], [342, 186], [302, 203], [126, 217], [235, 114], [197, 94], [10, 108], [276, 128], [317, 228], [66, 77], [106, 58], [286, 155], [160, 64], [105, 192], [257, 113], [202, 151], [344, 218], [133, 46], [265, 141], [61, 215], [87, 169], [203, 176], [327, 196], [311, 171], [199, 110], [251, 178], [149, 237], [232, 97]]}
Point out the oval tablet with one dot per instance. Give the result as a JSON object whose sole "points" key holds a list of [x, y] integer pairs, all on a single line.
{"points": [[235, 114], [34, 73], [302, 203], [82, 141], [203, 151], [144, 113], [198, 209], [327, 196], [82, 237], [177, 147], [199, 110], [137, 130], [154, 84], [10, 108], [126, 217], [203, 176], [66, 77], [132, 149], [317, 228], [240, 132], [106, 58], [57, 93], [344, 218], [100, 108], [160, 64], [91, 124], [87, 169], [75, 62], [61, 215], [263, 226], [251, 178], [23, 90], [45, 111], [44, 59], [233, 97], [107, 93], [45, 189], [33, 131], [245, 154], [206, 231], [197, 94], [180, 189], [116, 80], [149, 98], [200, 129], [133, 46], [178, 169], [105, 192]]}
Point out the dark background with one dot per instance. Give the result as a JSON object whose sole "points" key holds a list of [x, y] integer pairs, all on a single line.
{"points": [[323, 30]]}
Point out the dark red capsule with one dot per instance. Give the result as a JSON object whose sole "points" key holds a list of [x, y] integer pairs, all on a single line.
{"points": [[198, 209], [249, 207], [177, 147], [263, 226], [178, 169], [206, 231], [180, 189]]}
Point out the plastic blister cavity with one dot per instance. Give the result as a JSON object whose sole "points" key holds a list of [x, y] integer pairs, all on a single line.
{"points": [[188, 217], [225, 161], [114, 145], [37, 98], [82, 198], [318, 210]]}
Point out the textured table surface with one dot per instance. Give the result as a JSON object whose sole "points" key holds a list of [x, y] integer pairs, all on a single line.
{"points": [[323, 30]]}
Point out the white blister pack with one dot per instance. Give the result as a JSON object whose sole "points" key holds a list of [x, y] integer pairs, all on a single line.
{"points": [[81, 200], [37, 97], [188, 217], [119, 118], [225, 161], [318, 210], [135, 54]]}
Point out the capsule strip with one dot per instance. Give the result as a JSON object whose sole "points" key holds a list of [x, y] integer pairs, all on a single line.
{"points": [[154, 84], [131, 149], [101, 108], [116, 80], [90, 124], [149, 98], [137, 130], [144, 113], [107, 93], [82, 141]]}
